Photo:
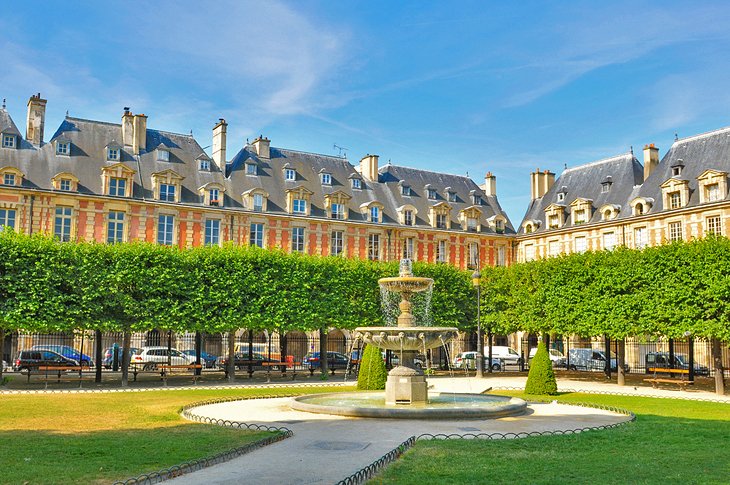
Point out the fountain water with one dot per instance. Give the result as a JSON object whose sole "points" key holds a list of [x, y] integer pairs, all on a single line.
{"points": [[406, 390]]}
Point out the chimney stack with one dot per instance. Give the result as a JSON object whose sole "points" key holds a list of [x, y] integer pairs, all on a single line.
{"points": [[219, 144], [36, 120], [262, 146], [490, 185], [651, 159], [127, 128], [540, 183], [369, 167], [140, 134]]}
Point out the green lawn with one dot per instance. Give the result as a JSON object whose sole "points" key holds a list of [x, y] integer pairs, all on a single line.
{"points": [[672, 441], [100, 438]]}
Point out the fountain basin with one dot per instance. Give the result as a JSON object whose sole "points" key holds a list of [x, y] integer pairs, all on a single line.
{"points": [[410, 284], [439, 406], [406, 338]]}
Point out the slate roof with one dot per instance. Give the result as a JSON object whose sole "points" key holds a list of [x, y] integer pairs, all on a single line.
{"points": [[6, 123], [624, 172]]}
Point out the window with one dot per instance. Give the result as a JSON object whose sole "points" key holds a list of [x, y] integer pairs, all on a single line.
{"points": [[605, 187], [499, 226], [553, 248], [326, 179], [638, 209], [431, 194], [165, 225], [204, 165], [258, 202], [408, 248], [473, 255], [408, 217], [63, 148], [214, 196], [290, 174], [212, 232], [356, 184], [476, 200], [529, 252], [256, 237], [65, 184], [675, 200], [441, 251], [471, 224], [580, 216], [452, 196], [441, 221], [609, 240], [338, 211], [7, 218], [299, 206], [375, 214], [675, 231], [112, 154], [553, 221], [529, 228], [500, 256], [640, 237], [337, 243], [167, 192], [714, 225], [62, 224], [251, 169], [8, 141], [712, 192], [118, 187], [374, 247], [676, 171], [163, 155], [297, 239], [115, 227], [561, 196], [580, 244], [405, 190], [9, 179]]}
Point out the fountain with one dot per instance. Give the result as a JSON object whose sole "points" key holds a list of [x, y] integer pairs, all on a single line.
{"points": [[406, 389]]}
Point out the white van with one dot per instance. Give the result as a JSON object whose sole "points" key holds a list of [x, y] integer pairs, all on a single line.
{"points": [[505, 354]]}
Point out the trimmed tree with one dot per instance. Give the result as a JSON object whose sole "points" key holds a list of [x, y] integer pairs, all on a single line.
{"points": [[372, 373], [541, 379]]}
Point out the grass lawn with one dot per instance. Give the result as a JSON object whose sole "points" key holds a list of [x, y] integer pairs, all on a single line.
{"points": [[100, 438], [672, 441]]}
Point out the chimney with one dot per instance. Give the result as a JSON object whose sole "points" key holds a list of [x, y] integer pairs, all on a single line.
{"points": [[490, 185], [369, 167], [651, 159], [262, 146], [36, 120], [127, 128], [140, 134], [219, 144], [540, 183]]}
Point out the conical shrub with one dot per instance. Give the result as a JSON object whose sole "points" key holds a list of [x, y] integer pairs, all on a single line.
{"points": [[541, 379], [372, 373]]}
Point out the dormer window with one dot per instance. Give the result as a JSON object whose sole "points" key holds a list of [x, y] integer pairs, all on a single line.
{"points": [[531, 226], [356, 183], [337, 211], [408, 217], [471, 224], [299, 206], [470, 219], [65, 185], [290, 175], [204, 165], [251, 169], [8, 141], [163, 155], [605, 187], [405, 190], [499, 226], [675, 200], [214, 196], [167, 192], [255, 199], [336, 204], [431, 194], [63, 148], [375, 214], [561, 196], [609, 212], [326, 178], [476, 199], [112, 154], [116, 180], [117, 187], [451, 196], [298, 200], [258, 202], [677, 168], [9, 179], [712, 186]]}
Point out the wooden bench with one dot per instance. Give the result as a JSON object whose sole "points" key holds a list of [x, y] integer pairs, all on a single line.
{"points": [[681, 382], [55, 370], [166, 371]]}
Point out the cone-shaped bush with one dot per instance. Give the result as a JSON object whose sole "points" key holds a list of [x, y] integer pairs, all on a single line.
{"points": [[541, 379], [372, 373]]}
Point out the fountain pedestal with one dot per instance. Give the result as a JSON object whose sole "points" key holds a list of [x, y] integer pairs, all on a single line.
{"points": [[405, 385]]}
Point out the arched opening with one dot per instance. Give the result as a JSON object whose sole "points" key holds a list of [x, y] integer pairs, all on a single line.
{"points": [[153, 339], [297, 345], [336, 341], [639, 209]]}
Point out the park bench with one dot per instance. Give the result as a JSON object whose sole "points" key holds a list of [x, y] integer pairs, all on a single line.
{"points": [[681, 382], [60, 373], [168, 370]]}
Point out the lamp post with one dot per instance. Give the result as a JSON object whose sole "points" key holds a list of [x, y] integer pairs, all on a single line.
{"points": [[476, 280]]}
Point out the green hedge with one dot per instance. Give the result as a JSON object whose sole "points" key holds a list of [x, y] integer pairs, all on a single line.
{"points": [[372, 374], [541, 379]]}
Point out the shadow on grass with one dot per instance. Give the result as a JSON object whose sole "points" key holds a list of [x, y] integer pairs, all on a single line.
{"points": [[106, 456]]}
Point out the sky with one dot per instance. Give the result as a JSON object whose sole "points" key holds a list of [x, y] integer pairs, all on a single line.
{"points": [[458, 87]]}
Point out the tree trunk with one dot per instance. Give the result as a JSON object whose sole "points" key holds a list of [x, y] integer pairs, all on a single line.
{"points": [[98, 357], [323, 364], [198, 351], [2, 352], [719, 371], [607, 352], [231, 364], [126, 342], [621, 380]]}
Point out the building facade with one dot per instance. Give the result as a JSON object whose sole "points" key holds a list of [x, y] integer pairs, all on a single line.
{"points": [[120, 182]]}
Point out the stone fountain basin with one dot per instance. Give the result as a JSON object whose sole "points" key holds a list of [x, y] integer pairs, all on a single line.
{"points": [[407, 338], [411, 284]]}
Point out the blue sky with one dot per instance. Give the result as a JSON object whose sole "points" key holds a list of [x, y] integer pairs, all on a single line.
{"points": [[446, 86]]}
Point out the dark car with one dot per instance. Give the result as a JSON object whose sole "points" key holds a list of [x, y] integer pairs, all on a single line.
{"points": [[34, 358], [335, 360], [662, 360], [107, 359], [208, 360], [242, 361], [68, 352]]}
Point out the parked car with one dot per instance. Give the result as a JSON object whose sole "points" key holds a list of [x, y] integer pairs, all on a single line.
{"points": [[506, 355], [418, 361], [661, 359], [468, 360], [150, 357], [208, 360], [68, 352], [242, 360], [33, 358], [591, 360], [556, 356], [107, 359], [335, 360]]}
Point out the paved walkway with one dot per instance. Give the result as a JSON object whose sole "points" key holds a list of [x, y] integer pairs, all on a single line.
{"points": [[326, 449]]}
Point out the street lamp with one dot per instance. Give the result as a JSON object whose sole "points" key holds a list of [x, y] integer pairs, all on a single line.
{"points": [[476, 280]]}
